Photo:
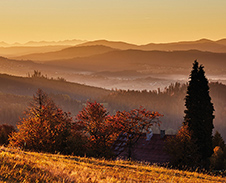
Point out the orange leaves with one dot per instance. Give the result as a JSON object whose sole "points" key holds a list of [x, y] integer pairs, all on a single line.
{"points": [[45, 127], [137, 120], [103, 129], [182, 149]]}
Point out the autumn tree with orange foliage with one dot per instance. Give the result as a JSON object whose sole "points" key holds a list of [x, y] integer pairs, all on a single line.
{"points": [[45, 127], [103, 129], [134, 123], [182, 149], [100, 128]]}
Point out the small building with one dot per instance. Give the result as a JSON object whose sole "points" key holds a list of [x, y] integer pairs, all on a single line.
{"points": [[149, 148]]}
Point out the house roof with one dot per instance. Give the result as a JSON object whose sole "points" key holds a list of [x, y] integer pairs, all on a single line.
{"points": [[144, 150]]}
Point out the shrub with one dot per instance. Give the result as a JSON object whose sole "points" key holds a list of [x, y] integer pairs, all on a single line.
{"points": [[5, 131], [217, 159], [182, 149]]}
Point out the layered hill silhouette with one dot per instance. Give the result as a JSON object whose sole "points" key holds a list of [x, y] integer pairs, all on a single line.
{"points": [[103, 46], [113, 44], [19, 49], [67, 53], [112, 68], [109, 64], [44, 43], [22, 68], [202, 45], [16, 94], [16, 51], [166, 62], [27, 86]]}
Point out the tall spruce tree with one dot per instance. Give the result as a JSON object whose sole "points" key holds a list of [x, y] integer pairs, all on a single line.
{"points": [[199, 113]]}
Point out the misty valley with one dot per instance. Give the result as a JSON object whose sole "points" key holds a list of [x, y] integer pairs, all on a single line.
{"points": [[122, 76]]}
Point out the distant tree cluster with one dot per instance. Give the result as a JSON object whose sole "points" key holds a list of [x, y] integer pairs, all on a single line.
{"points": [[16, 93], [38, 74], [46, 128], [102, 129], [170, 102]]}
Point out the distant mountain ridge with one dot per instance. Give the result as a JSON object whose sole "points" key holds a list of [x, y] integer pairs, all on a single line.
{"points": [[147, 61], [45, 53], [68, 53], [102, 58], [16, 51], [218, 46], [113, 44], [45, 43]]}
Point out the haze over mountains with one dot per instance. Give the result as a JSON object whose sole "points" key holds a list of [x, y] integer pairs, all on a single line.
{"points": [[44, 43], [16, 93], [18, 49], [67, 53], [202, 45], [174, 62], [111, 64]]}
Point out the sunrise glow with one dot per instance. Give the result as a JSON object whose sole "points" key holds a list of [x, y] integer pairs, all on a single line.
{"points": [[132, 21]]}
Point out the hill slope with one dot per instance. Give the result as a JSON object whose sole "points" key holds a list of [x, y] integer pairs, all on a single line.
{"points": [[28, 86], [18, 166], [16, 51], [113, 44], [202, 45], [16, 93], [149, 61], [67, 53]]}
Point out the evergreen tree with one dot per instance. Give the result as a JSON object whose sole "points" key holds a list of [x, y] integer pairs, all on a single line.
{"points": [[199, 113]]}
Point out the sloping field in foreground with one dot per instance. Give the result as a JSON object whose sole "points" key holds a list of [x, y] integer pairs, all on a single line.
{"points": [[20, 166]]}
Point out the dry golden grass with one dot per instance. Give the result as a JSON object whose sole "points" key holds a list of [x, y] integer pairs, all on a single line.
{"points": [[21, 166]]}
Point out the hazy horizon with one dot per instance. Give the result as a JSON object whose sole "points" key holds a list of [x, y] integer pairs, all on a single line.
{"points": [[85, 40], [138, 22]]}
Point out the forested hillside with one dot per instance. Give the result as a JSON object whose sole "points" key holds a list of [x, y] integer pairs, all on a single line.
{"points": [[17, 92], [169, 102], [29, 85]]}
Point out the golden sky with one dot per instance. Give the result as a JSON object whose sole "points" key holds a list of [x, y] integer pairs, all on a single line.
{"points": [[133, 21]]}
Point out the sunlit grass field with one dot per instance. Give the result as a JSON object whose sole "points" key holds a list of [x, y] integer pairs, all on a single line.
{"points": [[21, 166]]}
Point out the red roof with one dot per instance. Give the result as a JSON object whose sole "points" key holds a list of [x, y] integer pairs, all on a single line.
{"points": [[150, 151]]}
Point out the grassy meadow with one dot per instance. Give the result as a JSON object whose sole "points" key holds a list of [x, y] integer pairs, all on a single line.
{"points": [[22, 166]]}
